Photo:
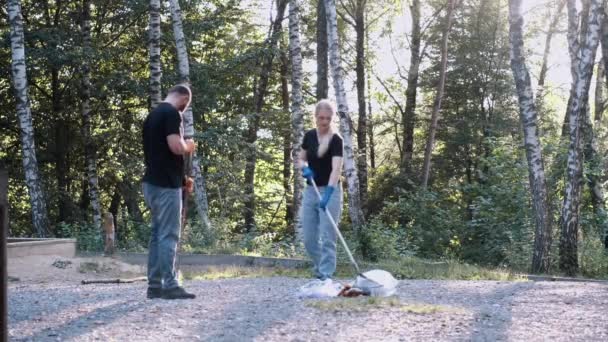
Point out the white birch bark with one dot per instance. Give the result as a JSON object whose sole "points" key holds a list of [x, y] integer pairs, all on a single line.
{"points": [[583, 58], [529, 120], [350, 168], [30, 164], [297, 116], [200, 188], [154, 53], [89, 148]]}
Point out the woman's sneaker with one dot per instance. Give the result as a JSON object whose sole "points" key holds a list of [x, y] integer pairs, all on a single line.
{"points": [[177, 293]]}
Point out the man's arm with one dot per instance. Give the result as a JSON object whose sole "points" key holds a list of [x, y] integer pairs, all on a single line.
{"points": [[179, 146]]}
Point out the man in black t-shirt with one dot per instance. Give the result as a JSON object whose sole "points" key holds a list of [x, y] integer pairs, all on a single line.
{"points": [[164, 147]]}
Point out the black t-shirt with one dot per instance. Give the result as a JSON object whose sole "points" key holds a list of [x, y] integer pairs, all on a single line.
{"points": [[163, 168], [321, 166]]}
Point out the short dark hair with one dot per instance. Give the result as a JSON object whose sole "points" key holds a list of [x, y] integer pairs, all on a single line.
{"points": [[180, 89]]}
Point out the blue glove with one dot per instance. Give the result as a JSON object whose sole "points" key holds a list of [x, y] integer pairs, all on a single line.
{"points": [[308, 173], [326, 196]]}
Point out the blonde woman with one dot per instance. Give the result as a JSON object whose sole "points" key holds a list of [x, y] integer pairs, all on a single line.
{"points": [[321, 160]]}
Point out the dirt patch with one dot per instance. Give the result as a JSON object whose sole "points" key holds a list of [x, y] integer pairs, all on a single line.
{"points": [[50, 269]]}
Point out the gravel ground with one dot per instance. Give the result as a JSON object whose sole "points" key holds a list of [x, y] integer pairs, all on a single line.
{"points": [[266, 309]]}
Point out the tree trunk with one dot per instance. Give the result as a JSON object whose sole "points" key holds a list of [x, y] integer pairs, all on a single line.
{"points": [[544, 66], [131, 195], [599, 94], [154, 50], [604, 40], [583, 70], [194, 167], [297, 115], [362, 119], [30, 164], [254, 121], [113, 209], [594, 158], [370, 127], [350, 169], [426, 168], [528, 118], [408, 120], [287, 161], [322, 57], [89, 148]]}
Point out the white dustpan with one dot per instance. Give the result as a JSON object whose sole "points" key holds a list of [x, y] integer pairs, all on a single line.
{"points": [[377, 283]]}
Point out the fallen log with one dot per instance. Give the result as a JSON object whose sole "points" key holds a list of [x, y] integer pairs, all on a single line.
{"points": [[114, 281]]}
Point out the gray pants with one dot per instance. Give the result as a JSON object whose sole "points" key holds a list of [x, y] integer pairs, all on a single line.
{"points": [[317, 231], [166, 207]]}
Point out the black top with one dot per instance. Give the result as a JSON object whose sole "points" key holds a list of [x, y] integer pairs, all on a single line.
{"points": [[321, 166], [163, 168]]}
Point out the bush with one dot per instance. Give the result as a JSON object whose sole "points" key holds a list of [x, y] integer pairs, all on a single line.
{"points": [[88, 237]]}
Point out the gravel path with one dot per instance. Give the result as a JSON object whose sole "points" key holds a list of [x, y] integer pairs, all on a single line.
{"points": [[265, 309]]}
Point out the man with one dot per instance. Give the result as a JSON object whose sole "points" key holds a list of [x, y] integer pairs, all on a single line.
{"points": [[164, 147]]}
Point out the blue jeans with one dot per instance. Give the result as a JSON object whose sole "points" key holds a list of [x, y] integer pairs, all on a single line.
{"points": [[317, 231], [166, 206]]}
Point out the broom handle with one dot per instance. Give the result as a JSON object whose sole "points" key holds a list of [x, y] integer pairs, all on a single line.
{"points": [[333, 223]]}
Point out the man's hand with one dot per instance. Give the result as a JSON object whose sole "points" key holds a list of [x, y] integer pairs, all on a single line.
{"points": [[190, 146], [189, 186]]}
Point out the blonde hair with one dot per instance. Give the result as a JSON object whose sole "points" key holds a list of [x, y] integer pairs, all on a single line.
{"points": [[324, 144]]}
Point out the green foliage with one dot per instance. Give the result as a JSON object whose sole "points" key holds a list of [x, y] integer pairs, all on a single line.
{"points": [[88, 237]]}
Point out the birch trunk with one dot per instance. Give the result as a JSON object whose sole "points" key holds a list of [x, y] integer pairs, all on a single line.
{"points": [[154, 52], [322, 58], [286, 135], [604, 41], [259, 97], [426, 168], [194, 170], [350, 169], [583, 61], [594, 159], [30, 164], [89, 147], [297, 116], [528, 117], [409, 118]]}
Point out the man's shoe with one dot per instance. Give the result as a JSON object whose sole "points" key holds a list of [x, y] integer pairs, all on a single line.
{"points": [[154, 292], [177, 293]]}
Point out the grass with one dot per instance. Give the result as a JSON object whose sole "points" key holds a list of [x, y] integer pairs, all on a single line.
{"points": [[370, 303], [215, 273], [405, 268]]}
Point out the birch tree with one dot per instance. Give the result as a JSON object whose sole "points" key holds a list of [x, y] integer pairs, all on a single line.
{"points": [[200, 187], [297, 115], [89, 148], [529, 120], [322, 57], [350, 168], [583, 61], [154, 53], [30, 163], [426, 168]]}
